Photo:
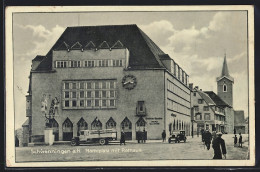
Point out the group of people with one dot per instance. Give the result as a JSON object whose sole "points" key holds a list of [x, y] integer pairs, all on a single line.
{"points": [[218, 144], [141, 137], [239, 141]]}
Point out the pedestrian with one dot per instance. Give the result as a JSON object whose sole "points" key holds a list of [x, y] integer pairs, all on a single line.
{"points": [[16, 141], [216, 144], [139, 136], [143, 136], [240, 140], [122, 139], [163, 135], [202, 135], [235, 141], [207, 139]]}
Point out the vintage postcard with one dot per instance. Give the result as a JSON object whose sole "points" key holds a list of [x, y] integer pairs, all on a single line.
{"points": [[130, 86]]}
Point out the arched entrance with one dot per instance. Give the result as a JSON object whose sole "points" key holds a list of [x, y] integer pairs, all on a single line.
{"points": [[126, 125], [82, 125], [111, 124], [96, 124], [67, 129], [55, 126], [140, 129]]}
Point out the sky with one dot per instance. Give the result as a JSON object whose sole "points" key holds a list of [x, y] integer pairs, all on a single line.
{"points": [[197, 41]]}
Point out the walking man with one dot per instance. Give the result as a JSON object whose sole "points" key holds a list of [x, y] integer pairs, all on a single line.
{"points": [[143, 136], [235, 141], [240, 140], [122, 139], [217, 143], [163, 135], [207, 139]]}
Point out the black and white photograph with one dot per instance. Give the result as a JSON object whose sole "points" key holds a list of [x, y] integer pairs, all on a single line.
{"points": [[130, 86]]}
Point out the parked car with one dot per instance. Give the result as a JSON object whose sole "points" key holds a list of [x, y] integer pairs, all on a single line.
{"points": [[94, 136], [177, 136]]}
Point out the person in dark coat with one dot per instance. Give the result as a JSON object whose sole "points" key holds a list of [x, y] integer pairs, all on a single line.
{"points": [[122, 139], [235, 141], [216, 144], [163, 135], [202, 135], [240, 140], [143, 136], [139, 136], [214, 135], [207, 139]]}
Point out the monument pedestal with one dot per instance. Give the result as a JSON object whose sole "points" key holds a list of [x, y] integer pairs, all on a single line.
{"points": [[48, 136]]}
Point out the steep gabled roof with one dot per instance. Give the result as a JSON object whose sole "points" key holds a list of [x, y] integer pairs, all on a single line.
{"points": [[217, 100], [144, 53], [206, 97], [38, 58], [26, 123]]}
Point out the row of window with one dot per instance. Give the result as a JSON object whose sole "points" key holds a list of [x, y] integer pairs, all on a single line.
{"points": [[171, 105], [89, 94], [180, 74], [89, 85], [96, 103], [87, 63], [205, 108], [179, 125], [199, 116], [177, 90], [178, 99]]}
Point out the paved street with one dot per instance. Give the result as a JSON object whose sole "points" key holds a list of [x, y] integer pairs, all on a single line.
{"points": [[152, 150]]}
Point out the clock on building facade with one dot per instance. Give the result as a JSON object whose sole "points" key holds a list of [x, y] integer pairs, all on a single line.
{"points": [[129, 82]]}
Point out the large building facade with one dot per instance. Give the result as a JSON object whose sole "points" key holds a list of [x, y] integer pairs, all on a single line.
{"points": [[106, 77]]}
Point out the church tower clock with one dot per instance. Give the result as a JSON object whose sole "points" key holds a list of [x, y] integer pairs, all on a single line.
{"points": [[225, 84]]}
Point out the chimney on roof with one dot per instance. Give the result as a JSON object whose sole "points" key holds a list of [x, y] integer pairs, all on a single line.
{"points": [[191, 86], [196, 87]]}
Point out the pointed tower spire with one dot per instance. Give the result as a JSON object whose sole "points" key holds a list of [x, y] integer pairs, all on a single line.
{"points": [[225, 67], [225, 72]]}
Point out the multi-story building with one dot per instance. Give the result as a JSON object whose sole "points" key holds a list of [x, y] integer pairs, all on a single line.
{"points": [[101, 77], [207, 115]]}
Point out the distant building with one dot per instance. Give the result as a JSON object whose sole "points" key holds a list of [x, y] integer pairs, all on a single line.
{"points": [[240, 122], [106, 77], [207, 115]]}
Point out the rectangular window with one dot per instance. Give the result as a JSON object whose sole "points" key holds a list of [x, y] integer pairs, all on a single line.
{"points": [[120, 63], [81, 103], [67, 94], [74, 103], [74, 85], [96, 94], [200, 101], [89, 103], [89, 85], [112, 84], [74, 94], [114, 63], [96, 85], [112, 102], [104, 94], [104, 85], [88, 94], [96, 103], [81, 94], [206, 108], [207, 116], [104, 103], [194, 94], [112, 93], [141, 106], [81, 85], [67, 86], [58, 64], [67, 103], [196, 108]]}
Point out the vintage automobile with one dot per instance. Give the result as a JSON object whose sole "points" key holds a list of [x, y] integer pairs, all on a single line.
{"points": [[177, 136], [94, 136]]}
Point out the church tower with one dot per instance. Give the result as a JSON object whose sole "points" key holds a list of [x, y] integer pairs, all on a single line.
{"points": [[225, 84]]}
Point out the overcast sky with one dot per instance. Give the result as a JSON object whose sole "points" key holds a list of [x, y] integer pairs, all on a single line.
{"points": [[197, 41]]}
